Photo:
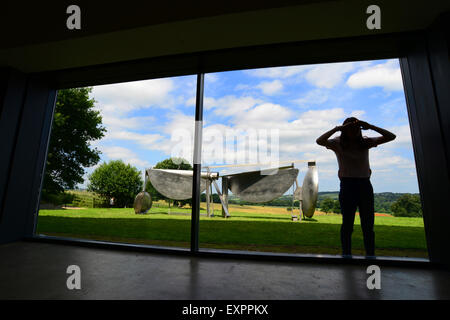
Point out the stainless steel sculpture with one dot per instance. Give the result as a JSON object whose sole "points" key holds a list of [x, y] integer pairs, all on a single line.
{"points": [[251, 186], [143, 201], [310, 190], [176, 184], [256, 187]]}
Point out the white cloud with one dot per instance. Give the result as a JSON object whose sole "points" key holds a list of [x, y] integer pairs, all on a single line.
{"points": [[266, 115], [319, 119], [391, 109], [329, 75], [386, 75], [242, 86], [120, 153], [211, 77], [120, 98], [179, 121], [277, 72], [127, 123], [357, 113], [270, 88], [230, 105], [320, 75], [384, 159], [316, 96], [145, 140], [296, 137], [403, 137]]}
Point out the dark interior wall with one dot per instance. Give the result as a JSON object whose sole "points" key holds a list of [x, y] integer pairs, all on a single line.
{"points": [[25, 120], [12, 93], [426, 77], [438, 49]]}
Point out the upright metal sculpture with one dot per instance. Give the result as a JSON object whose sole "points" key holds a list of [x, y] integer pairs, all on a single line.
{"points": [[143, 201], [310, 190], [251, 186]]}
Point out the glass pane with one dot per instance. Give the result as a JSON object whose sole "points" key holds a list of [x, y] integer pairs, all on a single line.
{"points": [[103, 140], [270, 118]]}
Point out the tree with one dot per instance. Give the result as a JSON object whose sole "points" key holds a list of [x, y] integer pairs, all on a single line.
{"points": [[117, 180], [408, 205], [171, 163], [75, 125], [336, 206], [327, 205]]}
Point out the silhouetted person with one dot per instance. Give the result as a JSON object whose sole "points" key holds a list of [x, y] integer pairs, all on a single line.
{"points": [[352, 153]]}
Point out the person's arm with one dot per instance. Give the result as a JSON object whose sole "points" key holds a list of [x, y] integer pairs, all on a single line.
{"points": [[386, 135], [322, 140]]}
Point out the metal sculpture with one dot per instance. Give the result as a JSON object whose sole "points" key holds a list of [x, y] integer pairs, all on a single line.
{"points": [[176, 184], [251, 186], [256, 187], [310, 190], [143, 201]]}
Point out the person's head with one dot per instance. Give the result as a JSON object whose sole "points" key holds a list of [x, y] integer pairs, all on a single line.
{"points": [[352, 133]]}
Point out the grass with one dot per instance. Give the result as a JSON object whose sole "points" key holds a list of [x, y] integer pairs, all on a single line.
{"points": [[253, 228]]}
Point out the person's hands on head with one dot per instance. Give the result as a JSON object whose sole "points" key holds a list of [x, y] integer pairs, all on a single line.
{"points": [[363, 125], [347, 125]]}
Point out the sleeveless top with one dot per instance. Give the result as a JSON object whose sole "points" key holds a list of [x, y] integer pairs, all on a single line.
{"points": [[353, 162]]}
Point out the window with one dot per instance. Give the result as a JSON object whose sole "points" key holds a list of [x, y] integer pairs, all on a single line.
{"points": [[257, 123]]}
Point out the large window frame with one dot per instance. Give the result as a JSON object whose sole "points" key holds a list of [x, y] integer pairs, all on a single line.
{"points": [[410, 48]]}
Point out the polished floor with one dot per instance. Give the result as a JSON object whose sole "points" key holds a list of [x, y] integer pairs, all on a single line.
{"points": [[30, 270]]}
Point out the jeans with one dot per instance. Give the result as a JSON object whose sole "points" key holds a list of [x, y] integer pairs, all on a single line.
{"points": [[357, 192]]}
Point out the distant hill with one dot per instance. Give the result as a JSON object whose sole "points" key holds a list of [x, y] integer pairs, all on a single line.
{"points": [[382, 200], [329, 194]]}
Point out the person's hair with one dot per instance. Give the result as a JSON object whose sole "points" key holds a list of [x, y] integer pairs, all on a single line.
{"points": [[345, 140]]}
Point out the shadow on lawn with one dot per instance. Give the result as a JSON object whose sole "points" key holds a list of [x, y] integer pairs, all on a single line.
{"points": [[226, 232]]}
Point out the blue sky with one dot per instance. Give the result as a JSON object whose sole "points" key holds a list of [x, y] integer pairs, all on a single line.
{"points": [[148, 121]]}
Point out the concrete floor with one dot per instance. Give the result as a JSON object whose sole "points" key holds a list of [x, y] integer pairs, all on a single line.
{"points": [[30, 270]]}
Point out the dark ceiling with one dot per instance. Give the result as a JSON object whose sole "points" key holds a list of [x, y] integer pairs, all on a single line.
{"points": [[35, 38], [43, 21]]}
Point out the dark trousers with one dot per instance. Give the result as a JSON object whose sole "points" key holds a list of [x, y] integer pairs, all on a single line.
{"points": [[357, 192]]}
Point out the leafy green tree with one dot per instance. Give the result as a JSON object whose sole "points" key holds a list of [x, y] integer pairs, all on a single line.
{"points": [[75, 125], [117, 180], [408, 205], [174, 164], [336, 206], [327, 205]]}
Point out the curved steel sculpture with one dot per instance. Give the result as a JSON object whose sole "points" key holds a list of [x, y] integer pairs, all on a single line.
{"points": [[310, 190], [174, 184], [256, 187]]}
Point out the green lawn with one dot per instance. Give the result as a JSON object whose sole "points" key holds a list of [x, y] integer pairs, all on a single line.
{"points": [[261, 231]]}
